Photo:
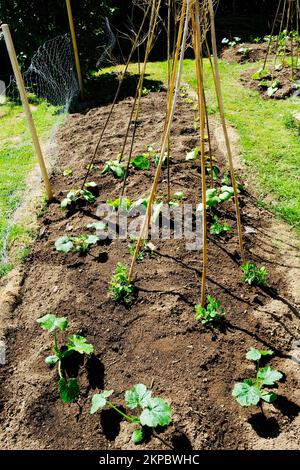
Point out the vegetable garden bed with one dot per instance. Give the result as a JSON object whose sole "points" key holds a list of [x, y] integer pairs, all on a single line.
{"points": [[156, 340]]}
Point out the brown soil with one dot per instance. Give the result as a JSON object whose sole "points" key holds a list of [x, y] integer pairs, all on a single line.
{"points": [[284, 76], [257, 52], [155, 341]]}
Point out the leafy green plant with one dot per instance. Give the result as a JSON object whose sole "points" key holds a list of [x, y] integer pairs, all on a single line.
{"points": [[76, 196], [151, 411], [123, 204], [68, 386], [120, 289], [212, 313], [245, 52], [260, 74], [253, 275], [97, 226], [81, 244], [272, 90], [141, 162], [250, 392], [116, 168], [215, 196], [193, 154], [178, 196], [219, 229], [231, 43], [67, 172], [132, 246]]}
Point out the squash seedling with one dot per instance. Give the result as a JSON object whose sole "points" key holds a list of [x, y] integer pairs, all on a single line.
{"points": [[116, 168], [81, 244], [260, 74], [215, 197], [67, 172], [120, 289], [68, 387], [193, 154], [253, 275], [272, 90], [250, 392], [141, 162], [219, 229], [212, 313], [79, 196], [122, 204], [151, 411]]}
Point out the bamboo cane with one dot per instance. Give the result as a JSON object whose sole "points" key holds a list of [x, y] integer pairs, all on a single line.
{"points": [[201, 109], [75, 46], [26, 107], [169, 81], [272, 33], [277, 40], [116, 96], [224, 126], [175, 87]]}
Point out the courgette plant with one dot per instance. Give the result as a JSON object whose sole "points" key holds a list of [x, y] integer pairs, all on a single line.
{"points": [[68, 386], [79, 196], [116, 168], [250, 392], [219, 229], [81, 244], [151, 411]]}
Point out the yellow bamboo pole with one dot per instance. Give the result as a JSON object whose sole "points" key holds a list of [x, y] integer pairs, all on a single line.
{"points": [[26, 107], [75, 47], [217, 79], [201, 109]]}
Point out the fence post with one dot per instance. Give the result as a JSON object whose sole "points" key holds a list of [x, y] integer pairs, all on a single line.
{"points": [[75, 47], [26, 107]]}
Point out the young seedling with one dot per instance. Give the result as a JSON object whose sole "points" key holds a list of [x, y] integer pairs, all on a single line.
{"points": [[272, 90], [245, 52], [67, 172], [68, 387], [120, 289], [97, 226], [253, 275], [132, 245], [178, 196], [215, 197], [79, 196], [116, 168], [122, 204], [151, 411], [250, 392], [261, 74], [81, 244], [193, 154], [212, 313], [219, 229], [141, 162]]}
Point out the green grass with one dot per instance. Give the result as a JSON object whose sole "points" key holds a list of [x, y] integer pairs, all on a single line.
{"points": [[17, 159], [269, 145]]}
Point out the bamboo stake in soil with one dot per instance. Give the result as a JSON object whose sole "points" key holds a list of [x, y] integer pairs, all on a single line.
{"points": [[174, 87], [75, 47], [116, 96], [271, 36], [26, 107], [197, 40], [224, 126]]}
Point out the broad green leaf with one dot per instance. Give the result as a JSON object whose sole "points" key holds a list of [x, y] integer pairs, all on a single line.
{"points": [[67, 172], [141, 162], [269, 397], [137, 436], [99, 400], [246, 394], [64, 244], [68, 389], [65, 203], [138, 395], [78, 343], [193, 154], [179, 195], [92, 239], [50, 322], [157, 413], [51, 360], [268, 376], [253, 355], [91, 184]]}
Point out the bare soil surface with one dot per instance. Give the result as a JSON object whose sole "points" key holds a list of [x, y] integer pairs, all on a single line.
{"points": [[156, 340], [257, 52]]}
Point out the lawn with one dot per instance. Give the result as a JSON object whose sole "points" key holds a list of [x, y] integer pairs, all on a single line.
{"points": [[268, 144], [17, 159]]}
